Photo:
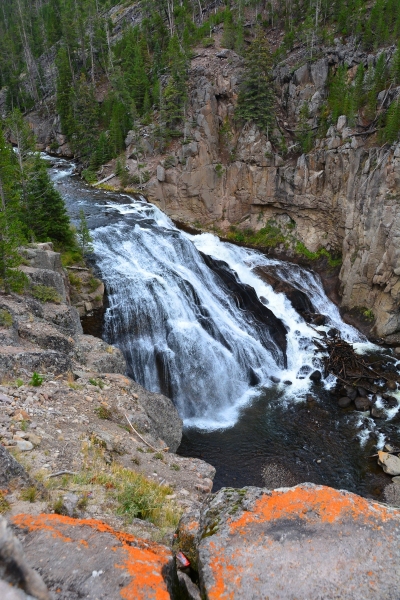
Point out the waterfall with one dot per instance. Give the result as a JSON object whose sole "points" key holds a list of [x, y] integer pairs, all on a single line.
{"points": [[196, 322]]}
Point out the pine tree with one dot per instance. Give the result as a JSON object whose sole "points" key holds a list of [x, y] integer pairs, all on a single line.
{"points": [[64, 91], [392, 126], [83, 235], [46, 215], [256, 96], [10, 226], [229, 36]]}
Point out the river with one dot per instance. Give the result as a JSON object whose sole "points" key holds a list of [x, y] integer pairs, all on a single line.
{"points": [[197, 321]]}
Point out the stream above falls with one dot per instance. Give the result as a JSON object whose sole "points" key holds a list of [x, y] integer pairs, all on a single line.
{"points": [[198, 320]]}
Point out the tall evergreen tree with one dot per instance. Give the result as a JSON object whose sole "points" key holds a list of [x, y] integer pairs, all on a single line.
{"points": [[256, 96], [10, 226], [46, 216]]}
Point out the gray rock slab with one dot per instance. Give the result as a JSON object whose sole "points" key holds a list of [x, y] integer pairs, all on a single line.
{"points": [[308, 542]]}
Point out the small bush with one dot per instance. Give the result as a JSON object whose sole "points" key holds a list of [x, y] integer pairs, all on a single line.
{"points": [[58, 506], [93, 284], [89, 176], [219, 169], [45, 293], [71, 256], [29, 494], [36, 380], [169, 162], [103, 412], [75, 281], [6, 319], [19, 382], [175, 467], [96, 382]]}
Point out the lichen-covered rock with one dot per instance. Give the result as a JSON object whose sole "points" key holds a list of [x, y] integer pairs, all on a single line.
{"points": [[88, 559], [306, 543], [15, 569]]}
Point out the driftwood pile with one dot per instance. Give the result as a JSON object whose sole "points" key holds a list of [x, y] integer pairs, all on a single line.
{"points": [[354, 370]]}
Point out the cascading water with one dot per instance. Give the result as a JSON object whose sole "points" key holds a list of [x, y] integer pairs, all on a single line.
{"points": [[181, 330]]}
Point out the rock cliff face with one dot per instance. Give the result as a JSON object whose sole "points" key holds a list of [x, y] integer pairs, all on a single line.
{"points": [[342, 196]]}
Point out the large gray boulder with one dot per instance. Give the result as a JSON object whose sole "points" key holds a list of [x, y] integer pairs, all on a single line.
{"points": [[308, 542]]}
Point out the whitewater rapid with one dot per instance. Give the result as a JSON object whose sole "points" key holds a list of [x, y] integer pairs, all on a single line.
{"points": [[180, 330]]}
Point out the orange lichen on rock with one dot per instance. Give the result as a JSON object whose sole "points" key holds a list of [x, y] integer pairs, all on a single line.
{"points": [[320, 503], [144, 561]]}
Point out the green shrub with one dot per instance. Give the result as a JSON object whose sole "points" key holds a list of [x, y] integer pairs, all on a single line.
{"points": [[45, 293], [36, 380], [103, 412], [6, 319], [75, 281]]}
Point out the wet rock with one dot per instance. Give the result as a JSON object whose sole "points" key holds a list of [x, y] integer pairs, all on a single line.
{"points": [[255, 534], [88, 559], [319, 320], [333, 332], [351, 392], [15, 568], [389, 401], [299, 300], [288, 382], [362, 404], [391, 385], [389, 463], [246, 298], [310, 398], [344, 402], [316, 376], [362, 392], [275, 379], [377, 413]]}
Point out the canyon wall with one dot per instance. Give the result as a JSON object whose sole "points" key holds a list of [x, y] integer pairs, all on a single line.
{"points": [[342, 196]]}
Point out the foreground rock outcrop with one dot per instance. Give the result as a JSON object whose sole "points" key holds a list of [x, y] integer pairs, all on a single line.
{"points": [[88, 559], [307, 542]]}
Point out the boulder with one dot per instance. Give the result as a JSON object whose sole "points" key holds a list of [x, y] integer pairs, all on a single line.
{"points": [[48, 278], [165, 420], [389, 463], [344, 402], [316, 376], [16, 359], [319, 72], [11, 471], [88, 559], [362, 403], [306, 542]]}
